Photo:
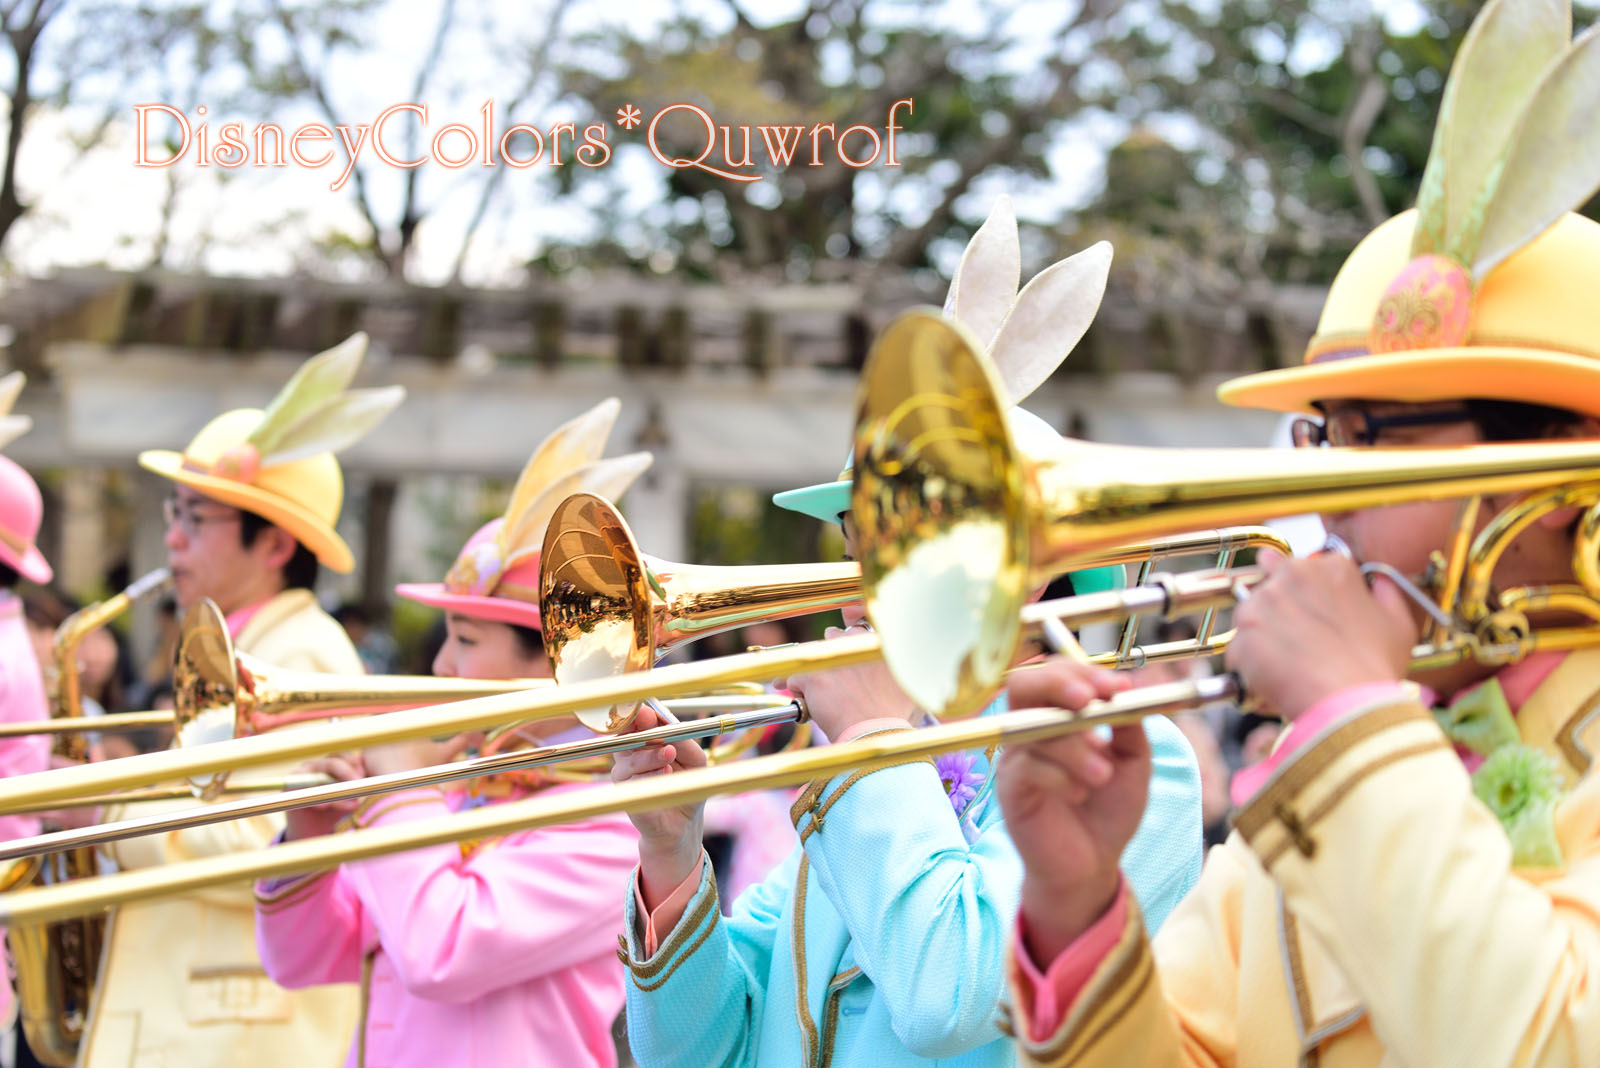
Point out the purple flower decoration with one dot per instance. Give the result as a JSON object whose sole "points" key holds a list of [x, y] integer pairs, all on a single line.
{"points": [[960, 781]]}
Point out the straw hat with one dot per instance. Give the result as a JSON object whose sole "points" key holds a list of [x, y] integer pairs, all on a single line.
{"points": [[278, 462], [1486, 289]]}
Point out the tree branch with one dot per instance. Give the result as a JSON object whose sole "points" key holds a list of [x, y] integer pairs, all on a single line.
{"points": [[491, 187]]}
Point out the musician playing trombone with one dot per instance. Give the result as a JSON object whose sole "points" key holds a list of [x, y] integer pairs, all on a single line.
{"points": [[497, 952], [1404, 885], [878, 940], [256, 500]]}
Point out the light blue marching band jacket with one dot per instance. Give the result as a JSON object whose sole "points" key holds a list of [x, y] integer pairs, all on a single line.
{"points": [[880, 940]]}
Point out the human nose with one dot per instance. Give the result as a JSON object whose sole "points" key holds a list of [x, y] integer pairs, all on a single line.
{"points": [[444, 662]]}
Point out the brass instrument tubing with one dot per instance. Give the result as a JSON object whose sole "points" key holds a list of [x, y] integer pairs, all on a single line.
{"points": [[203, 815], [637, 795]]}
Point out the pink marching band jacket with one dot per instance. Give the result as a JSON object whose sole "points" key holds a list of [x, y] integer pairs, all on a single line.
{"points": [[502, 952]]}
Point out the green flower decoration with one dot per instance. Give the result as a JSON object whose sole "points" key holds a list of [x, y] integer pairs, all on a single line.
{"points": [[1521, 786]]}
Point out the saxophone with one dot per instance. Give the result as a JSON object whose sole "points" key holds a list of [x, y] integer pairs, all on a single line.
{"points": [[58, 964]]}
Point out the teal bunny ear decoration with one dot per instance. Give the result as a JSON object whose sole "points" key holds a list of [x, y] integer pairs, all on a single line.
{"points": [[12, 427], [1511, 155], [317, 412]]}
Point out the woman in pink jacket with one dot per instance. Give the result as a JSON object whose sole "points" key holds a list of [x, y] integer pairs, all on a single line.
{"points": [[501, 951]]}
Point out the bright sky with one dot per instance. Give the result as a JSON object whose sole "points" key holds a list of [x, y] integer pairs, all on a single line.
{"points": [[101, 208]]}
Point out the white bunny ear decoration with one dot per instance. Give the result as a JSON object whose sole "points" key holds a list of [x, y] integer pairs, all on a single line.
{"points": [[1049, 318], [985, 282], [12, 427]]}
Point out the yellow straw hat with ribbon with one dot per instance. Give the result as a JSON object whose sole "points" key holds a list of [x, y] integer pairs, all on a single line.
{"points": [[1486, 289], [278, 462]]}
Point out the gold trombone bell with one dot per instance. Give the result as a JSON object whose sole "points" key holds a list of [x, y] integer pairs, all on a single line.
{"points": [[956, 522]]}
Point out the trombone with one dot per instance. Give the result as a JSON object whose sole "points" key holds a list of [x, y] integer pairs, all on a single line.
{"points": [[1013, 518], [608, 608], [1168, 596], [639, 795], [1328, 480], [950, 511]]}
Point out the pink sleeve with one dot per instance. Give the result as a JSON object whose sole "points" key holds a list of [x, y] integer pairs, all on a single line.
{"points": [[665, 916], [1053, 991], [460, 921], [309, 930], [1300, 733], [21, 756]]}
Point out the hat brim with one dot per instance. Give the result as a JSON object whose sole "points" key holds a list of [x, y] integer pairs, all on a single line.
{"points": [[493, 609], [1098, 579], [827, 501], [324, 543], [1531, 376], [31, 565]]}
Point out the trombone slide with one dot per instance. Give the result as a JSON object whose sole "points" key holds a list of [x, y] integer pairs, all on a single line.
{"points": [[638, 795]]}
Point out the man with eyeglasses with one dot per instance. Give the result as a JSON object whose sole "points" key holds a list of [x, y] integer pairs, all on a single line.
{"points": [[1412, 875], [250, 521]]}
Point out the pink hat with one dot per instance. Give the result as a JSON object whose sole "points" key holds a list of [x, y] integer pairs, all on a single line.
{"points": [[496, 575], [21, 508], [478, 586]]}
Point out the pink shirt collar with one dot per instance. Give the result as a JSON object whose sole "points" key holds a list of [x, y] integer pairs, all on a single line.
{"points": [[237, 621]]}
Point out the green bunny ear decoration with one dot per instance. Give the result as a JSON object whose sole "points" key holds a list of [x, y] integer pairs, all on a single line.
{"points": [[317, 381], [1050, 317], [12, 427], [1496, 71], [1553, 165], [523, 534], [985, 282], [335, 424], [570, 445]]}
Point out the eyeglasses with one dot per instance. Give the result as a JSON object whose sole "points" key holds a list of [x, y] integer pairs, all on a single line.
{"points": [[1357, 426], [190, 519]]}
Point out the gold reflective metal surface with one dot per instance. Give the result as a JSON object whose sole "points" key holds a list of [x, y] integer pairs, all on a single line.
{"points": [[940, 513], [57, 965], [607, 608], [652, 792], [222, 694], [955, 523]]}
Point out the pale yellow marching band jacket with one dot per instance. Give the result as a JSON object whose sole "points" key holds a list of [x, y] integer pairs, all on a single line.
{"points": [[214, 1006], [1365, 912]]}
